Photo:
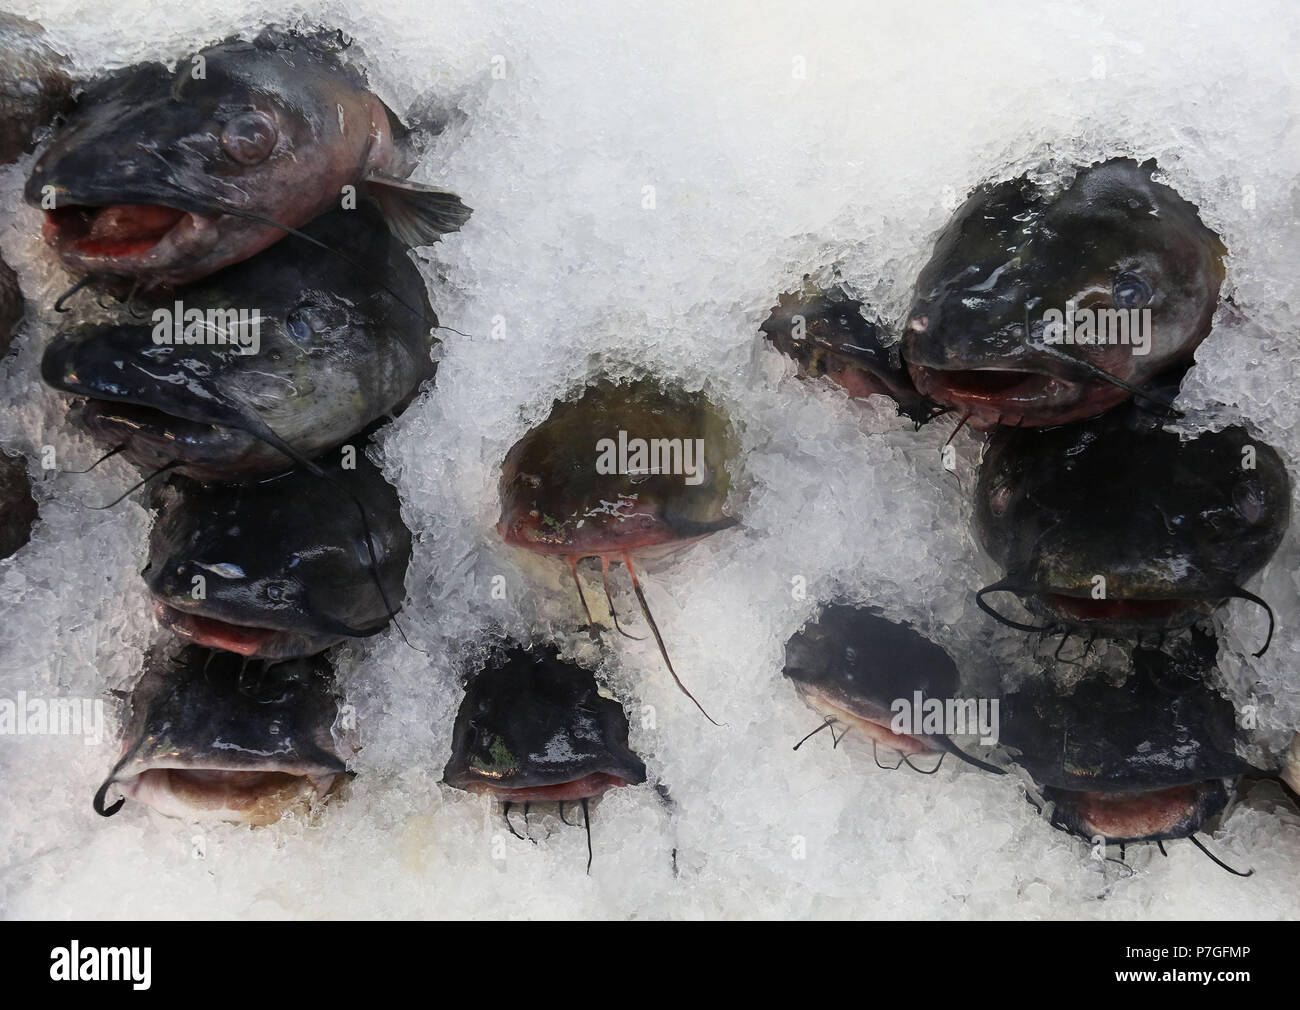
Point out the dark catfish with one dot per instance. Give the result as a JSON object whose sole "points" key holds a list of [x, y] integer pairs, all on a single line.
{"points": [[861, 671], [215, 737], [1118, 528], [1152, 758], [279, 568], [167, 176], [321, 351], [17, 506], [533, 727], [34, 84], [11, 305], [627, 469], [829, 334], [1115, 253]]}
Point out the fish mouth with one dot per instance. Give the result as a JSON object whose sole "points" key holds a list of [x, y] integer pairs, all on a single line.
{"points": [[1158, 814], [584, 787], [151, 437], [1086, 610], [1003, 396], [124, 237], [870, 719], [256, 796], [242, 639]]}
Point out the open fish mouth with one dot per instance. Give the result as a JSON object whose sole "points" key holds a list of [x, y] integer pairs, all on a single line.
{"points": [[242, 639], [991, 396], [1155, 815], [127, 234], [254, 796]]}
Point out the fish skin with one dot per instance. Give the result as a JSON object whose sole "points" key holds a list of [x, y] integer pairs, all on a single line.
{"points": [[338, 351], [1155, 755], [35, 85], [862, 662], [1159, 517], [18, 510], [1013, 251], [286, 554], [11, 306], [841, 343], [553, 500], [531, 720], [204, 711], [276, 127]]}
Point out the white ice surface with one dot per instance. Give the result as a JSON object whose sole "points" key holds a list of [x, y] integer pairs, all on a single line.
{"points": [[760, 175]]}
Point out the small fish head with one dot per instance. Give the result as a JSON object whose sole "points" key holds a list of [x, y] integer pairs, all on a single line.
{"points": [[533, 727], [215, 737], [857, 667], [565, 490]]}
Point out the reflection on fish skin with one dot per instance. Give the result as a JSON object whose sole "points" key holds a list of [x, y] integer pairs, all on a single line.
{"points": [[851, 665], [1113, 239], [535, 727], [166, 177], [1140, 761], [282, 564], [828, 334], [1173, 526], [214, 737], [334, 351]]}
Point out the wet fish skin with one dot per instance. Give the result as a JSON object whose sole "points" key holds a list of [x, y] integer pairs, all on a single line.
{"points": [[242, 136], [1153, 757], [1114, 238], [213, 737], [282, 560], [339, 348], [555, 501], [839, 342], [11, 306], [1158, 517], [531, 721], [860, 663]]}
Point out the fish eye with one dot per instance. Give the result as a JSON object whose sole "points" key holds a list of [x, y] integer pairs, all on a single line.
{"points": [[276, 592], [1130, 291], [1248, 499], [298, 323], [249, 137]]}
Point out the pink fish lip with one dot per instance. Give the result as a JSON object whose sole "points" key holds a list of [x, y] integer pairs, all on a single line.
{"points": [[1002, 396], [584, 787], [133, 240]]}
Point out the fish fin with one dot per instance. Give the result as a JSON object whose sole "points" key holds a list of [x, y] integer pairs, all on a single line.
{"points": [[417, 214]]}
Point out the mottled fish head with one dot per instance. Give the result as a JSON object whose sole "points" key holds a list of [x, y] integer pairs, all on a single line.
{"points": [[215, 737], [857, 669], [278, 568], [625, 467], [1039, 308], [166, 176], [1152, 758], [533, 727], [1101, 526], [829, 334], [290, 354]]}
